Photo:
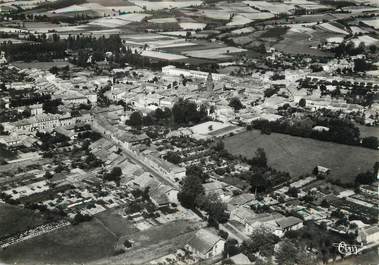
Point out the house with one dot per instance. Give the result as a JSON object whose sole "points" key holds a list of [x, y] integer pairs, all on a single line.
{"points": [[368, 235], [171, 70], [69, 134], [322, 170], [240, 259], [174, 172], [251, 221], [10, 140], [290, 223], [42, 122], [215, 187], [369, 189], [241, 200], [163, 195], [205, 244]]}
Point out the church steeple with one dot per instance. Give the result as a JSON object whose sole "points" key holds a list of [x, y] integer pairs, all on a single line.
{"points": [[210, 84], [3, 60]]}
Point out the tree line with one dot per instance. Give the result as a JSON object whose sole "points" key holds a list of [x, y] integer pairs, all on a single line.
{"points": [[340, 131]]}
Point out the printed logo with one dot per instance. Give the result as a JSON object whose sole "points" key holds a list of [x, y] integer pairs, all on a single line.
{"points": [[346, 249]]}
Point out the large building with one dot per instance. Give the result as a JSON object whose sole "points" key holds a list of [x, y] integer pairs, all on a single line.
{"points": [[173, 71]]}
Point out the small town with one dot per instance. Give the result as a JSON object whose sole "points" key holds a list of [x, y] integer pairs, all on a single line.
{"points": [[189, 132]]}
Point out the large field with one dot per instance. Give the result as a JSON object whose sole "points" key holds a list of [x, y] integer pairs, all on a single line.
{"points": [[116, 223], [299, 156], [14, 219], [72, 244]]}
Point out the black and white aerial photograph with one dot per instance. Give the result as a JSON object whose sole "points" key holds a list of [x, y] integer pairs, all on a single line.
{"points": [[189, 132]]}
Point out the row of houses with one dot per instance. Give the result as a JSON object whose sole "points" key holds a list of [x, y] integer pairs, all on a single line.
{"points": [[44, 122]]}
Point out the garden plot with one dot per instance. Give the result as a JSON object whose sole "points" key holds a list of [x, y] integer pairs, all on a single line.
{"points": [[367, 40], [357, 30], [243, 30], [80, 8], [159, 42], [110, 3], [236, 8], [239, 20], [217, 53], [163, 20], [165, 4], [163, 55], [182, 33], [146, 37], [332, 28], [118, 21], [13, 30], [215, 14], [192, 25], [258, 16], [126, 9], [275, 8]]}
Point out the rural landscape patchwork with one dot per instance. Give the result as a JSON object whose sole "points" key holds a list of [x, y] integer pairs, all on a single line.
{"points": [[190, 132]]}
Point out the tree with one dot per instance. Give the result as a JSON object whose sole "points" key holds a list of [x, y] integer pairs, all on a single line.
{"points": [[360, 65], [191, 189], [370, 142], [136, 119], [260, 159], [51, 106], [372, 48], [286, 254], [79, 218], [258, 182], [365, 178], [236, 104], [114, 175], [325, 204], [173, 157], [197, 171], [231, 248], [293, 192], [47, 175], [316, 68], [2, 131], [302, 102], [116, 172], [186, 112], [262, 240], [215, 208]]}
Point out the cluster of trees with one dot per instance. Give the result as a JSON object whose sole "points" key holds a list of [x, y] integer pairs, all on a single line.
{"points": [[361, 65], [114, 175], [368, 177], [44, 49], [236, 104], [186, 112], [159, 116], [173, 157], [349, 49], [192, 196], [51, 105], [49, 141], [340, 131], [25, 98], [11, 115], [269, 92], [80, 218], [41, 51]]}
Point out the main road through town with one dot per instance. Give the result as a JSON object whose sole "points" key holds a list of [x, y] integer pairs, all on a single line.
{"points": [[134, 158]]}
